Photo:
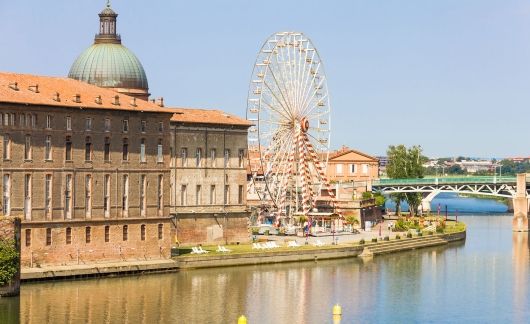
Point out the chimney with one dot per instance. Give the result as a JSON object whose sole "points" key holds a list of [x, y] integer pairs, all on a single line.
{"points": [[161, 102], [116, 100], [133, 102], [77, 98], [34, 88], [14, 86], [98, 100], [57, 97]]}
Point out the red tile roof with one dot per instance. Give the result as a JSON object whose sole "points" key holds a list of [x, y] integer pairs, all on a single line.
{"points": [[44, 90], [205, 116]]}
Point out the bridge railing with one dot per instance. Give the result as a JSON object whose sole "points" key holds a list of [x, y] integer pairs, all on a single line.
{"points": [[445, 180]]}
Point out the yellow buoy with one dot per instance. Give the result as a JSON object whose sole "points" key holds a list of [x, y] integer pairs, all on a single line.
{"points": [[337, 310], [242, 320]]}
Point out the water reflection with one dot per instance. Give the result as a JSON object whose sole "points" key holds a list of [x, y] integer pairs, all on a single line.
{"points": [[483, 280]]}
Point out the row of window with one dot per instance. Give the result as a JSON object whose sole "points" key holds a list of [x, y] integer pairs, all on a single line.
{"points": [[212, 195], [29, 120], [28, 152], [68, 196], [88, 234], [353, 168], [213, 157]]}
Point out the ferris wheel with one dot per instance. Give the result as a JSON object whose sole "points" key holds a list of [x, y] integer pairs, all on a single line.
{"points": [[288, 104]]}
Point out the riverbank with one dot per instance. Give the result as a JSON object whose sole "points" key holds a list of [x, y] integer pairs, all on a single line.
{"points": [[245, 255]]}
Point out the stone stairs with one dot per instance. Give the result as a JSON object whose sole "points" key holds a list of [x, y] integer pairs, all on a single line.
{"points": [[402, 245]]}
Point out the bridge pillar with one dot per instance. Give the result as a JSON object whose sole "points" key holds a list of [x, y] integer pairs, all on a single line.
{"points": [[520, 205], [426, 201]]}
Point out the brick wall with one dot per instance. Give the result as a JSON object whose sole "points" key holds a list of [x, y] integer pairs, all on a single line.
{"points": [[10, 230], [212, 228], [49, 243]]}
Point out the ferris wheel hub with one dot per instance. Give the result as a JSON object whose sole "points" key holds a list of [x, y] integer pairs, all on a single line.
{"points": [[304, 125]]}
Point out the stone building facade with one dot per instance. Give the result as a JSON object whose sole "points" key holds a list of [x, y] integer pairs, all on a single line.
{"points": [[208, 165], [87, 169]]}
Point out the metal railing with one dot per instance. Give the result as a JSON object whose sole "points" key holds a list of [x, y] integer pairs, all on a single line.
{"points": [[445, 180]]}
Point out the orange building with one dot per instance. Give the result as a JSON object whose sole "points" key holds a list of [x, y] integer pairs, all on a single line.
{"points": [[347, 165]]}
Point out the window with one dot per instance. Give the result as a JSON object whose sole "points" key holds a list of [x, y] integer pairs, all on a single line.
{"points": [[68, 148], [22, 119], [33, 120], [365, 168], [142, 232], [28, 237], [352, 168], [241, 157], [106, 150], [6, 119], [68, 123], [160, 127], [183, 195], [125, 196], [106, 195], [106, 125], [88, 195], [48, 195], [125, 155], [159, 152], [125, 232], [27, 196], [160, 191], [160, 231], [6, 195], [68, 197], [198, 200], [13, 119], [107, 233], [198, 156], [48, 121], [227, 158], [125, 125], [212, 195], [143, 187], [212, 157], [88, 234], [88, 148], [88, 124], [227, 195], [143, 126], [7, 147], [48, 148], [68, 235], [48, 236], [240, 195], [338, 168], [27, 148], [184, 156], [142, 150]]}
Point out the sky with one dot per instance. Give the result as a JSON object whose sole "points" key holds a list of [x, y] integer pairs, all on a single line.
{"points": [[452, 76]]}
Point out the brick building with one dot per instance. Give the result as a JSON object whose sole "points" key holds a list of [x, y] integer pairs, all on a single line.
{"points": [[97, 173]]}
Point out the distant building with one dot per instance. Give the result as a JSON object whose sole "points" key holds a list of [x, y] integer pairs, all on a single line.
{"points": [[476, 166], [347, 165]]}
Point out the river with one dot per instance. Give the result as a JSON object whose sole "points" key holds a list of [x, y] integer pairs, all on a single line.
{"points": [[485, 280]]}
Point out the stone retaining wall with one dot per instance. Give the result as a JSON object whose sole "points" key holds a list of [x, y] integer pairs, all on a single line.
{"points": [[10, 230]]}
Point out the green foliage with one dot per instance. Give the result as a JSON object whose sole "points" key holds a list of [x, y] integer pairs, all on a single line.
{"points": [[406, 162], [379, 199], [409, 235], [351, 219], [367, 195], [302, 219], [420, 234], [361, 242], [8, 261], [386, 238], [374, 239], [398, 237]]}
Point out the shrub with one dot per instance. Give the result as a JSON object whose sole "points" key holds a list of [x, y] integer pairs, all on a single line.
{"points": [[398, 237], [8, 261], [409, 235], [361, 242], [429, 233], [374, 239], [386, 238], [420, 234], [266, 232]]}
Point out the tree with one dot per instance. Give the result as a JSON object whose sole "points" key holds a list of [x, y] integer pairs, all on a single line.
{"points": [[406, 162]]}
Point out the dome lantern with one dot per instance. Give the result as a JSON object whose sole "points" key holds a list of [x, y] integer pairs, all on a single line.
{"points": [[109, 64]]}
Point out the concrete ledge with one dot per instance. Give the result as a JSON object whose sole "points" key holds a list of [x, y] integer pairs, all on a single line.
{"points": [[195, 262], [97, 270]]}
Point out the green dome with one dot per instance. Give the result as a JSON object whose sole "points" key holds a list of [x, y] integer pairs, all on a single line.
{"points": [[109, 65]]}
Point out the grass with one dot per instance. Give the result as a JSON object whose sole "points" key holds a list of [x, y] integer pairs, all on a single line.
{"points": [[454, 227]]}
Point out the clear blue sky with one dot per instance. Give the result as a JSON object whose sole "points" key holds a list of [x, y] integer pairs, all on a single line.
{"points": [[451, 75]]}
